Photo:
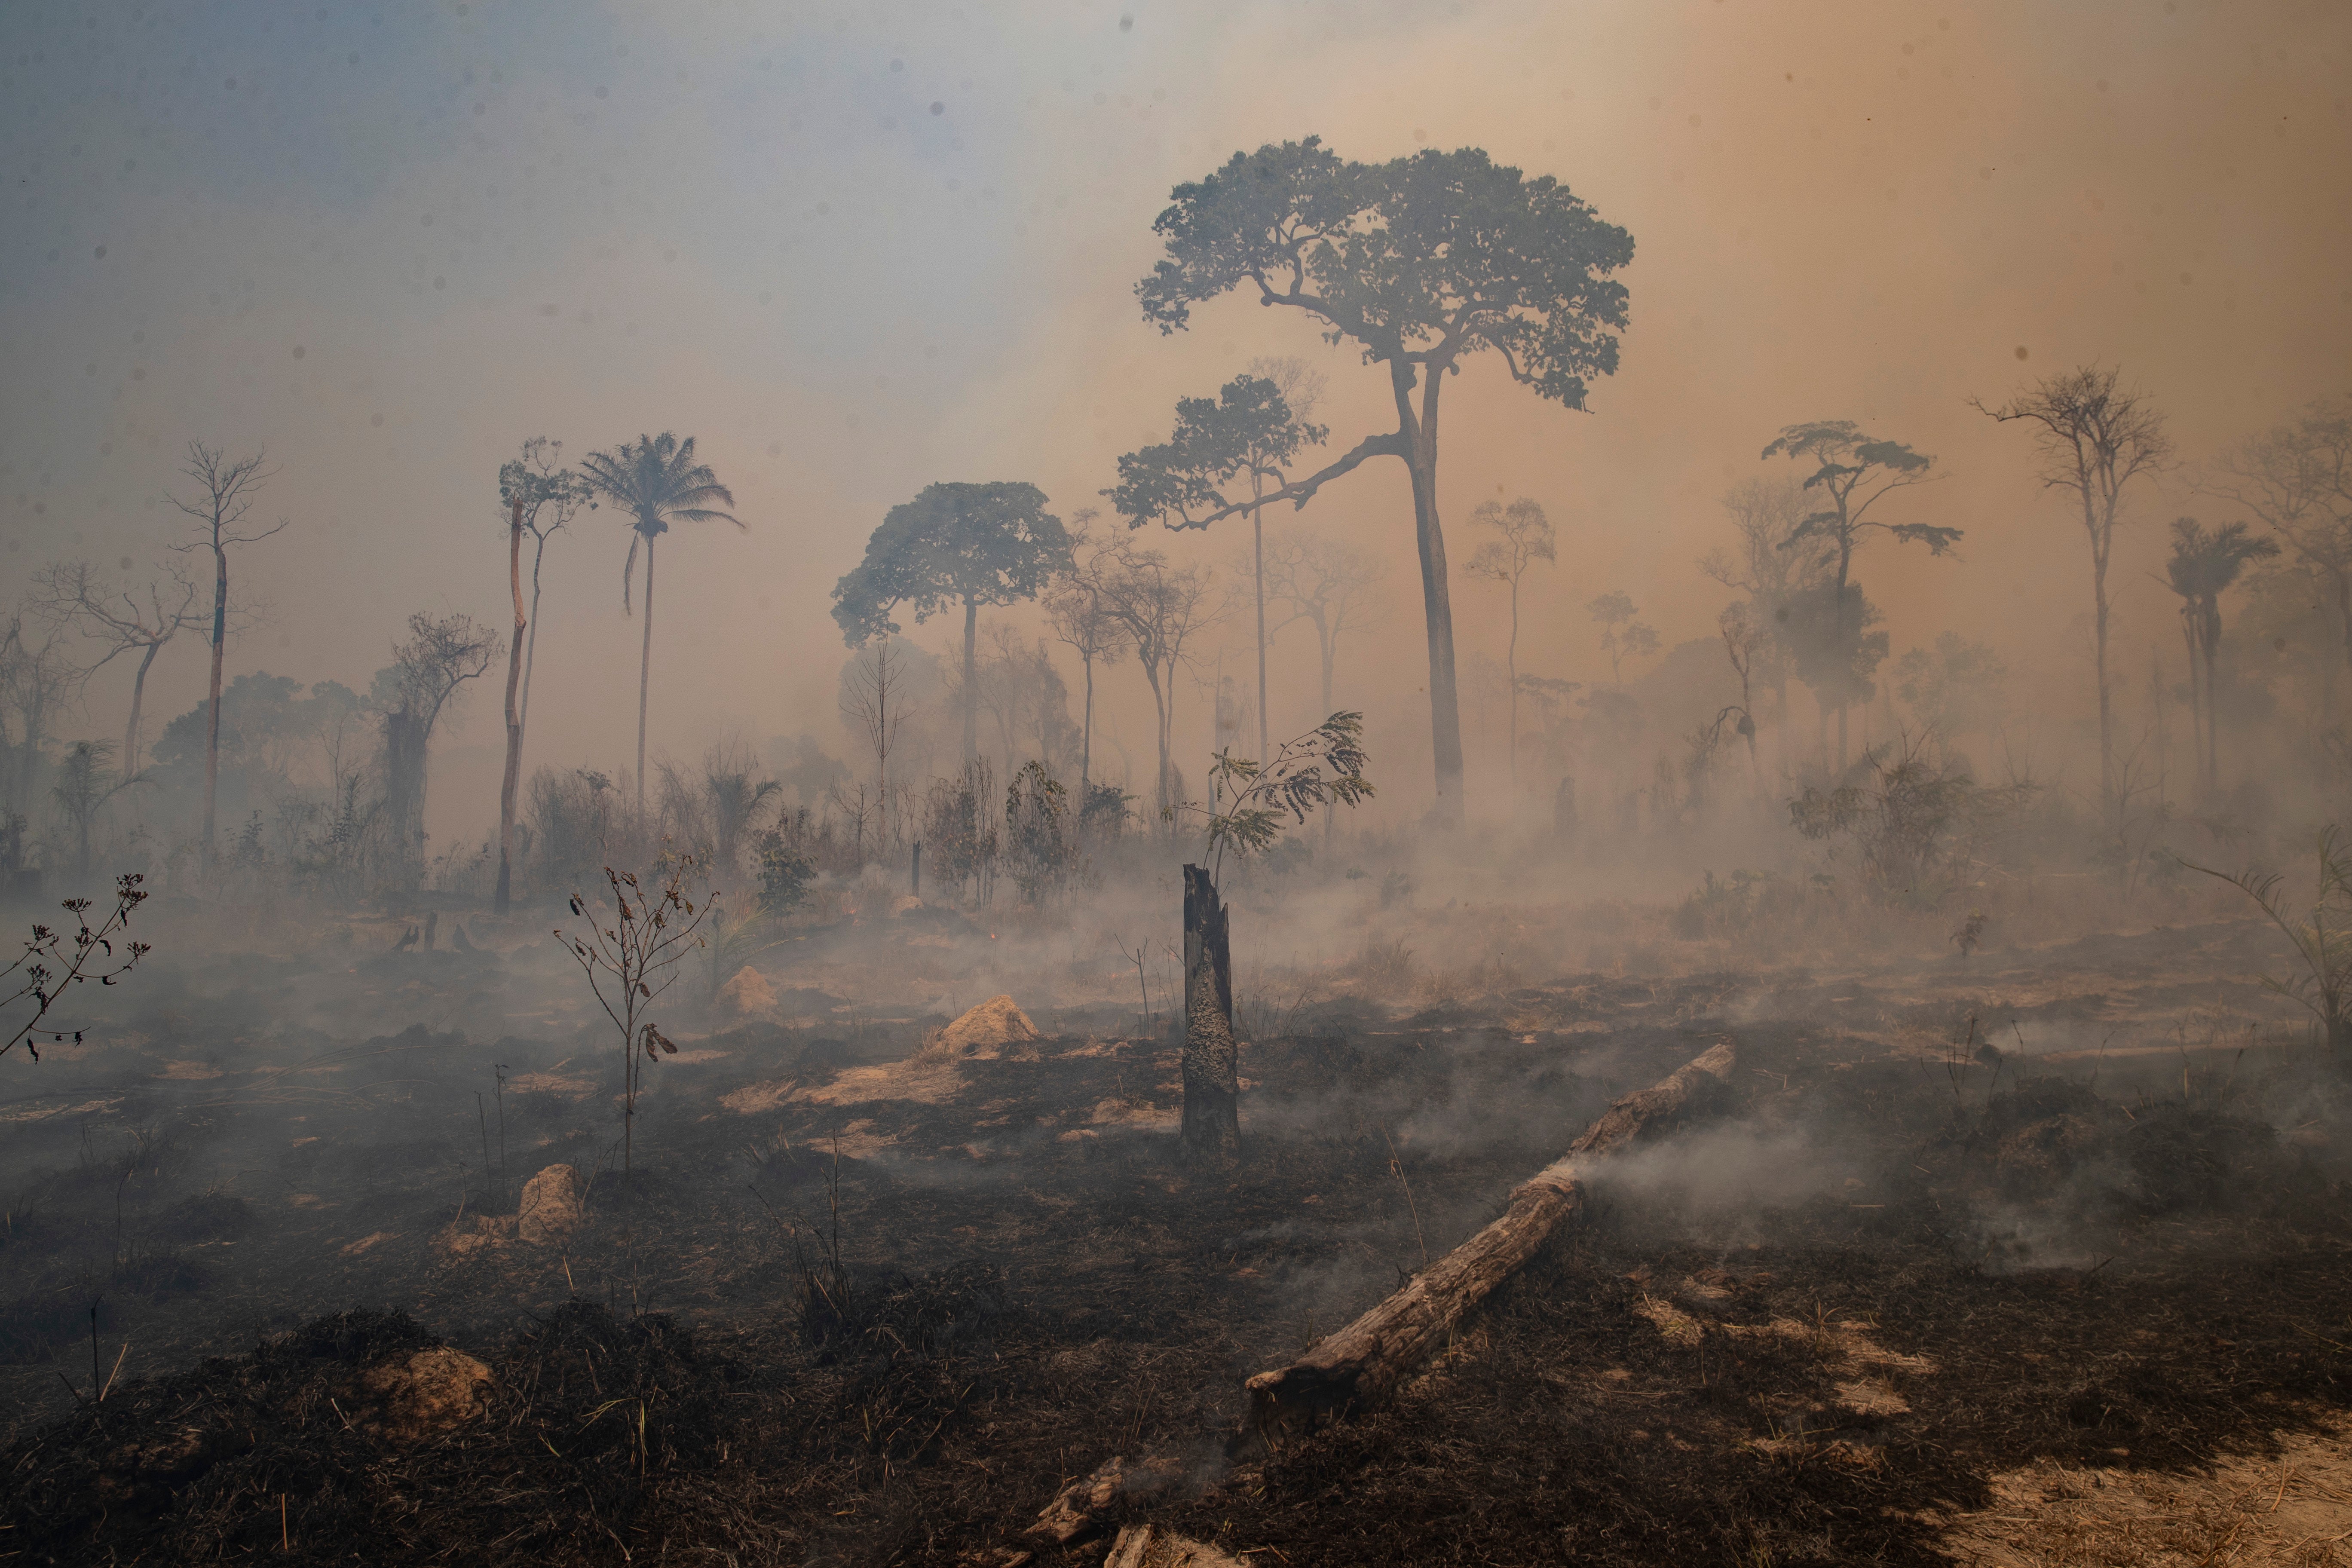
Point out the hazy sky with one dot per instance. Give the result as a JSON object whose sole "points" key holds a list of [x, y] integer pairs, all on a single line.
{"points": [[857, 249]]}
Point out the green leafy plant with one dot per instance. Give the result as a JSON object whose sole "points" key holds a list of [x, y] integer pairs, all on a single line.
{"points": [[1249, 800], [2322, 937]]}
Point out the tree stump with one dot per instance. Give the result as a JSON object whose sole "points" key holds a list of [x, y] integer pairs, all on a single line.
{"points": [[1211, 1128]]}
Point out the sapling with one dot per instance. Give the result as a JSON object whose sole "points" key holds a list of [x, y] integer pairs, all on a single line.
{"points": [[1248, 800], [632, 961], [47, 970]]}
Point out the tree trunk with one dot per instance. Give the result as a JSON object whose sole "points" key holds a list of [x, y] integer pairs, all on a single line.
{"points": [[137, 698], [2106, 703], [1211, 1128], [512, 779], [1511, 673], [1086, 737], [213, 698], [1436, 597], [404, 791], [971, 680], [644, 680], [1364, 1362], [531, 644], [1257, 545], [1837, 630]]}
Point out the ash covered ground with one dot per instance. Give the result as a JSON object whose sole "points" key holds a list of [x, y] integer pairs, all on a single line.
{"points": [[2038, 1254]]}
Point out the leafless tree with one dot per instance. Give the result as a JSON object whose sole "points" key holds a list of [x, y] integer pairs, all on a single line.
{"points": [[873, 702], [226, 488], [2296, 480], [122, 620], [1325, 583], [1080, 616], [1522, 536], [2094, 437], [1162, 608], [440, 655]]}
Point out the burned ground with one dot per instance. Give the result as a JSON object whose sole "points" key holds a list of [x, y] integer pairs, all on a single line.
{"points": [[854, 1304]]}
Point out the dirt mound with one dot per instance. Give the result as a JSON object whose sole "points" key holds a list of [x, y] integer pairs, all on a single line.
{"points": [[747, 991], [430, 1393], [985, 1031], [550, 1209]]}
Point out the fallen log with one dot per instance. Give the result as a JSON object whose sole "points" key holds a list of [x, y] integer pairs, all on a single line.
{"points": [[1363, 1364]]}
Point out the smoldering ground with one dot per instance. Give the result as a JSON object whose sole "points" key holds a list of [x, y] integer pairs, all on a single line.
{"points": [[1027, 1281]]}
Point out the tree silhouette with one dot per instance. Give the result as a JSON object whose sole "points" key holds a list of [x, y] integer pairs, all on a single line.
{"points": [[539, 499], [1423, 263], [1852, 473], [1162, 608], [2202, 566], [227, 486], [1522, 537], [1248, 432], [440, 655], [1077, 611], [2095, 438], [1325, 583], [969, 545], [118, 620], [655, 481], [1621, 637], [2296, 480]]}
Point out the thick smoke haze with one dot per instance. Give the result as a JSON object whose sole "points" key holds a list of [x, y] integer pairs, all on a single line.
{"points": [[857, 249]]}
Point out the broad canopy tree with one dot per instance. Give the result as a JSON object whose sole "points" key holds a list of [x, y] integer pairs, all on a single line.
{"points": [[1246, 434], [1852, 473], [1423, 263], [968, 545]]}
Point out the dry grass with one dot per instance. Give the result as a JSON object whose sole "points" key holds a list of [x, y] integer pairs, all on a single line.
{"points": [[2294, 1506]]}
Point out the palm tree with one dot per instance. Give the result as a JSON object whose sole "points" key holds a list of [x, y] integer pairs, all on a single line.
{"points": [[655, 480], [2202, 566]]}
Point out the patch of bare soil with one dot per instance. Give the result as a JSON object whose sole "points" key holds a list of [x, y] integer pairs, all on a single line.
{"points": [[1886, 1307]]}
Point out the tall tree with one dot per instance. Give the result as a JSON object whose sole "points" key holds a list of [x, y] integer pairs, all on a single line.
{"points": [[1075, 609], [655, 480], [1522, 536], [2093, 437], [440, 655], [227, 487], [539, 499], [1422, 262], [2203, 565], [2296, 480], [1248, 433], [122, 620], [969, 545], [1852, 474], [1162, 608]]}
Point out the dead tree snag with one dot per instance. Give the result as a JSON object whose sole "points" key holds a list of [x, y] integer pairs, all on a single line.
{"points": [[1212, 1128], [1366, 1361]]}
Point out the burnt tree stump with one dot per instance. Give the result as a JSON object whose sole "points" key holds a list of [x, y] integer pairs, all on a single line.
{"points": [[1211, 1128]]}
